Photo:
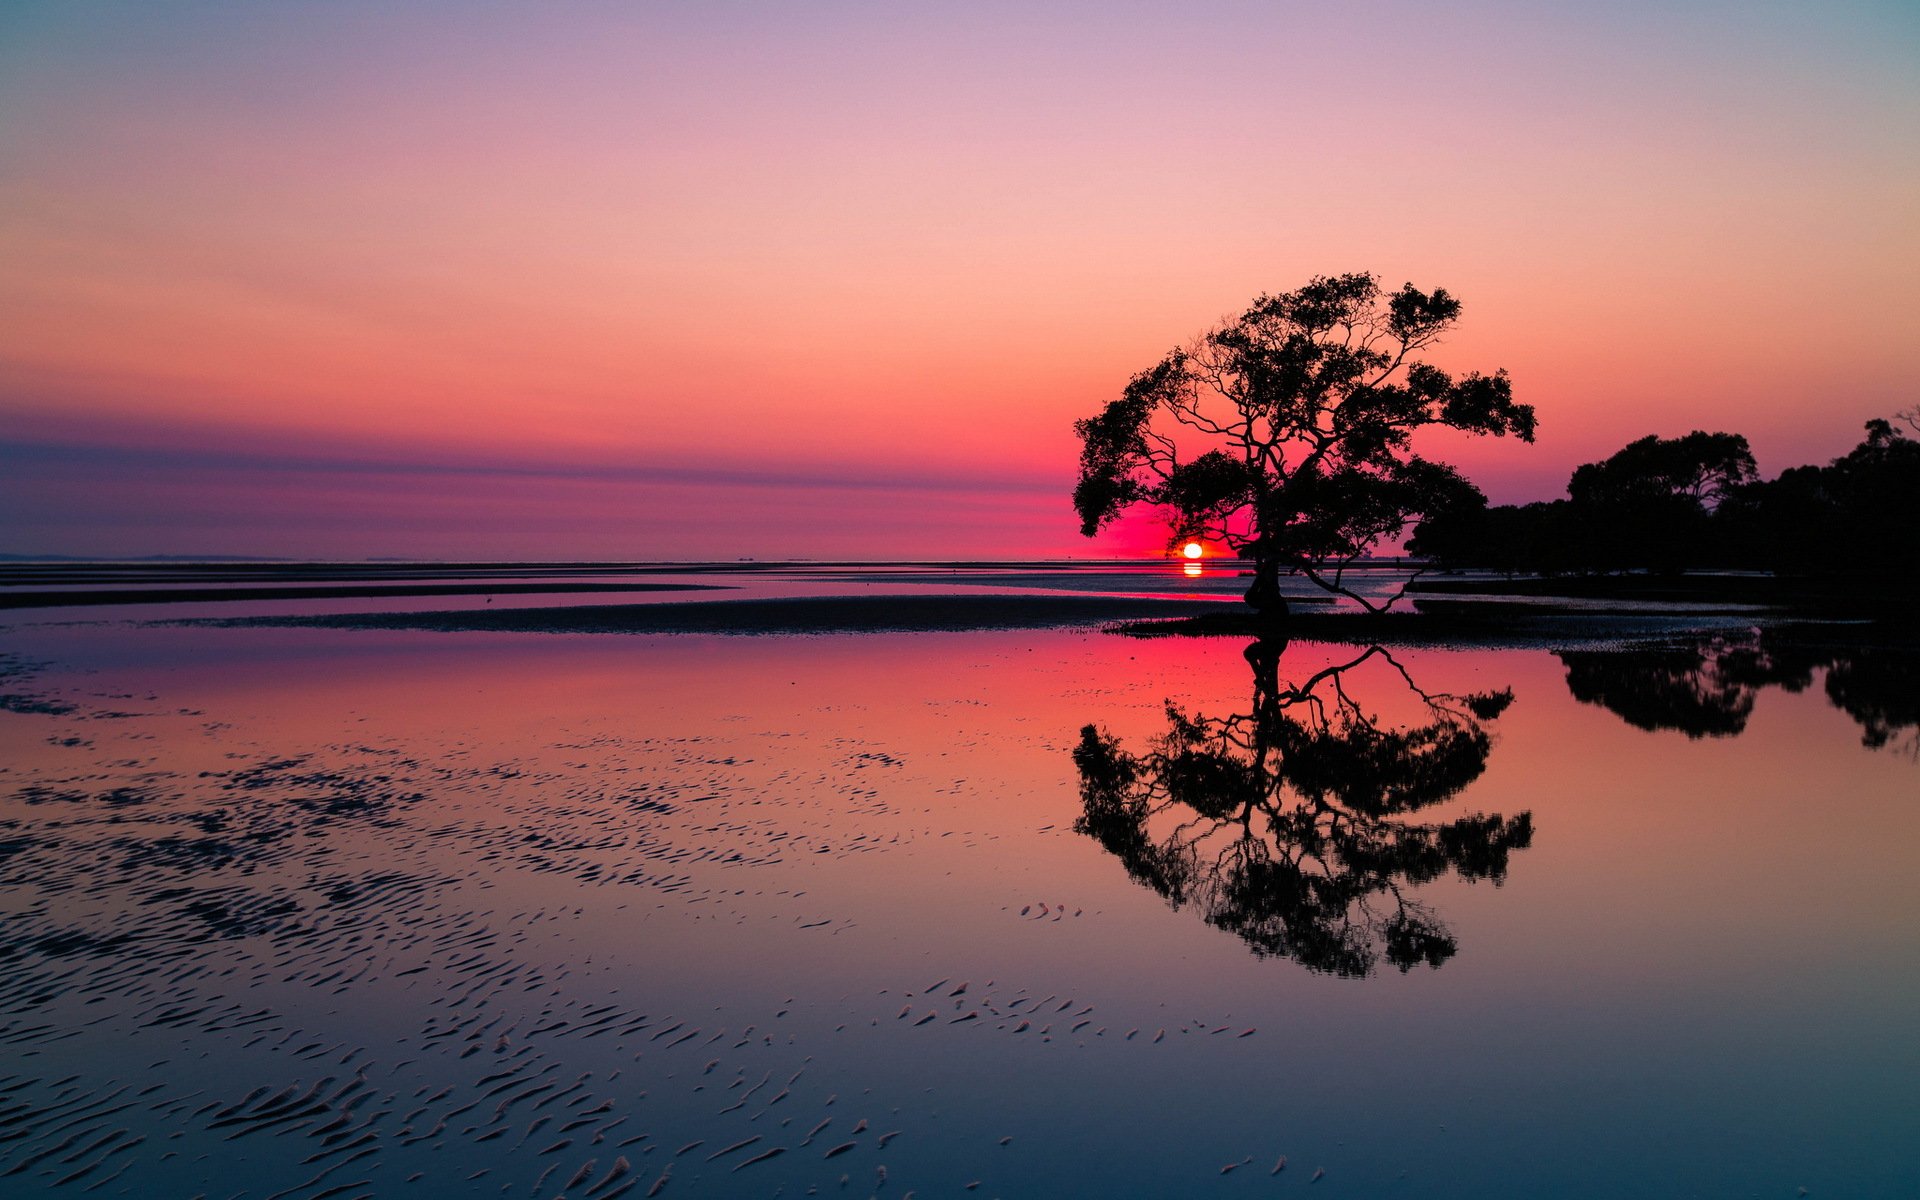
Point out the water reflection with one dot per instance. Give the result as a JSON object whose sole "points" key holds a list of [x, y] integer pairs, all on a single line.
{"points": [[1707, 688], [1290, 825]]}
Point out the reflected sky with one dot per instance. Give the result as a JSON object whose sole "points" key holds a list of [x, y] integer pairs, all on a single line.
{"points": [[526, 897]]}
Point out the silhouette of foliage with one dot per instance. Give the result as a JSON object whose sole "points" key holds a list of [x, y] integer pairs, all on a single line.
{"points": [[1294, 424], [1695, 501], [1703, 467], [1292, 826], [1649, 505], [1546, 537], [1853, 518]]}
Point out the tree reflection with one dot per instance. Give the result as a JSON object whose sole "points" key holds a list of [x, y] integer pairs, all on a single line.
{"points": [[1290, 826], [1707, 688]]}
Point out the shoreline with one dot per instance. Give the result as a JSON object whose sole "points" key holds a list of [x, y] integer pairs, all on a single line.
{"points": [[1463, 624], [786, 615]]}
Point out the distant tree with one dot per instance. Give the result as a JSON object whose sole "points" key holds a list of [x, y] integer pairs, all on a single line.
{"points": [[1703, 468], [1694, 501], [1543, 537], [1852, 519], [1650, 504], [1285, 434]]}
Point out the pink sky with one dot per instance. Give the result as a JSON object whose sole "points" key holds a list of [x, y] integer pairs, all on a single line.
{"points": [[770, 280]]}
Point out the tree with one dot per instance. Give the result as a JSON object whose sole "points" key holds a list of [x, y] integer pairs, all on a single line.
{"points": [[1294, 424], [1701, 468], [1544, 536], [1851, 519], [1653, 503], [1650, 504]]}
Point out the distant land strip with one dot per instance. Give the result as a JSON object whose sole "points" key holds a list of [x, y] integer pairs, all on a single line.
{"points": [[342, 591], [825, 614]]}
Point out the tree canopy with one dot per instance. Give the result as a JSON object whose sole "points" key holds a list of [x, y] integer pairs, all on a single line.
{"points": [[1286, 433], [1701, 468]]}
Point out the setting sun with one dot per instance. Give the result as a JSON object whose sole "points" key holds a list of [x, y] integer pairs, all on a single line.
{"points": [[1192, 550]]}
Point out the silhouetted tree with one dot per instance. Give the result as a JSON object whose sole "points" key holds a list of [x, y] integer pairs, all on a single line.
{"points": [[1853, 518], [1693, 501], [1285, 433], [1701, 467], [1650, 503], [1544, 537], [1289, 826]]}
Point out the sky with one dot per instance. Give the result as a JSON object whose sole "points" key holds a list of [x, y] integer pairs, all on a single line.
{"points": [[719, 280]]}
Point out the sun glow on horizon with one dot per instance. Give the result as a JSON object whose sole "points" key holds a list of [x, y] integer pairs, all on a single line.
{"points": [[1193, 550]]}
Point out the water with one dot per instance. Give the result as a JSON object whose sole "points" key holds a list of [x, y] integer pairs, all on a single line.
{"points": [[323, 911]]}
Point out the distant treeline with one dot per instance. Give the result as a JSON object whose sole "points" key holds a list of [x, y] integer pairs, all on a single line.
{"points": [[1697, 502]]}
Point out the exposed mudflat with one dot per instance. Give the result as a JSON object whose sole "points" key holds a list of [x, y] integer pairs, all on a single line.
{"points": [[835, 614]]}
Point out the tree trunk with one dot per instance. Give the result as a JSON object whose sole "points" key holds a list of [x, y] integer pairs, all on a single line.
{"points": [[1264, 595]]}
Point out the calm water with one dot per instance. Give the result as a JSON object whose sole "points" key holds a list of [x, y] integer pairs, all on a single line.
{"points": [[328, 912]]}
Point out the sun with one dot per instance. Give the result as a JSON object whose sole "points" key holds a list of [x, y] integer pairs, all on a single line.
{"points": [[1193, 550]]}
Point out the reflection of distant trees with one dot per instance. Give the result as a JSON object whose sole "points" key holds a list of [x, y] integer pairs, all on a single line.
{"points": [[1707, 688], [1881, 692], [1290, 825]]}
